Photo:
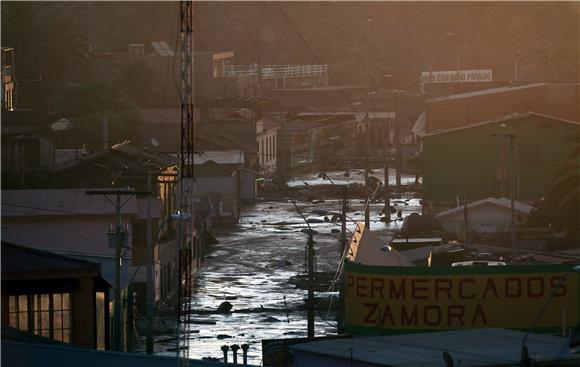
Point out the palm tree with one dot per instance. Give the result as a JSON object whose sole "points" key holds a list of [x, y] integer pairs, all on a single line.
{"points": [[562, 201]]}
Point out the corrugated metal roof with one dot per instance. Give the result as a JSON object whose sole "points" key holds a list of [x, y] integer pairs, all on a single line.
{"points": [[473, 347], [513, 116], [500, 202], [485, 92]]}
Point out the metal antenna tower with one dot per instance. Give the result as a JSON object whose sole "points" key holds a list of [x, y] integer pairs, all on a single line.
{"points": [[185, 217]]}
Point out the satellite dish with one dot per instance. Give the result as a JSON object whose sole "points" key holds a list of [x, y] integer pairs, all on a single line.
{"points": [[154, 142], [61, 125]]}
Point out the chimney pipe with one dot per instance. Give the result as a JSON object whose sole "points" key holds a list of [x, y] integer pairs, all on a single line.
{"points": [[245, 348], [235, 349], [225, 349]]}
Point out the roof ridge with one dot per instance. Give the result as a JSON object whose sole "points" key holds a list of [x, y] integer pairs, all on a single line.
{"points": [[48, 253]]}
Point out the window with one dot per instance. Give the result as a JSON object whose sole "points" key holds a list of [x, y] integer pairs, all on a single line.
{"points": [[18, 310], [100, 308], [48, 315]]}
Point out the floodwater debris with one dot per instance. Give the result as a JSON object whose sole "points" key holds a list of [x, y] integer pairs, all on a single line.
{"points": [[225, 307]]}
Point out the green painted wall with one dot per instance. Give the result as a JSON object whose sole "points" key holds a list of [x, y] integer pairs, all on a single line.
{"points": [[466, 160]]}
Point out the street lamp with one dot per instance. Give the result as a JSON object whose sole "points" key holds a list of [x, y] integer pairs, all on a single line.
{"points": [[525, 359], [512, 177]]}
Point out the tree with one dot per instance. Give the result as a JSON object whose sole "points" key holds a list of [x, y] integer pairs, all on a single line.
{"points": [[561, 205], [45, 41], [137, 80], [85, 105]]}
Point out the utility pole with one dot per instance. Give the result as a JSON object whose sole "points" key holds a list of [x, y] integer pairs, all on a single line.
{"points": [[516, 59], [343, 219], [512, 177], [150, 281], [367, 131], [119, 239], [387, 191], [397, 143], [466, 221], [310, 284]]}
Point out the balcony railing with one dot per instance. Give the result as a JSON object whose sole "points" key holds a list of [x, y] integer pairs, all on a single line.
{"points": [[276, 71]]}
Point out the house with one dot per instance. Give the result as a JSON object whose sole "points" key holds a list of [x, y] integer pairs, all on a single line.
{"points": [[27, 148], [54, 296], [220, 181], [468, 348], [71, 223], [7, 73], [267, 135], [474, 160], [490, 215]]}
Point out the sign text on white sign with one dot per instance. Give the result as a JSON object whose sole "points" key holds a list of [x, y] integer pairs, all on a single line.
{"points": [[457, 76]]}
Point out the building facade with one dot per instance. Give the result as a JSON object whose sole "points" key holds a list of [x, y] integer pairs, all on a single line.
{"points": [[474, 161]]}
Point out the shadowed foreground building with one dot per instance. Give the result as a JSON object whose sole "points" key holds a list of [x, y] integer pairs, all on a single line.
{"points": [[54, 296]]}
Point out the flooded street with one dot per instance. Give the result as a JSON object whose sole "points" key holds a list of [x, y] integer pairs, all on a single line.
{"points": [[251, 266]]}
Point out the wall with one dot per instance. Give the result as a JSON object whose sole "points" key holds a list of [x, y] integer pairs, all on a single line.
{"points": [[482, 219], [267, 148], [466, 161]]}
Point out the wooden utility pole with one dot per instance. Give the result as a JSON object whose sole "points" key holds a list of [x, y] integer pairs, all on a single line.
{"points": [[343, 219], [466, 222], [367, 131], [119, 239], [397, 142], [150, 279], [512, 182], [310, 284]]}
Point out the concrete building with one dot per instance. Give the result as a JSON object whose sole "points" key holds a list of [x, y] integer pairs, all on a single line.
{"points": [[470, 160], [54, 296], [267, 132]]}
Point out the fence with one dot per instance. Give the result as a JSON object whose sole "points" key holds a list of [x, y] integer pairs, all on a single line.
{"points": [[276, 71]]}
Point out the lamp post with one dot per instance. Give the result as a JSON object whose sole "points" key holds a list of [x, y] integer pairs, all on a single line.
{"points": [[525, 359], [512, 177], [367, 126]]}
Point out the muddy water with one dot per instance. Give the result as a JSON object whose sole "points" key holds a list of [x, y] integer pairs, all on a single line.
{"points": [[250, 268]]}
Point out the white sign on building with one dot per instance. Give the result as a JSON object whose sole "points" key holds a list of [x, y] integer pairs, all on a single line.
{"points": [[457, 76]]}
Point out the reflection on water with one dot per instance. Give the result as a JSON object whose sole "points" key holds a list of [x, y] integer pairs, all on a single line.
{"points": [[250, 268]]}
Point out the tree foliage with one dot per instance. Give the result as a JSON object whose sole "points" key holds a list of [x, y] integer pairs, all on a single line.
{"points": [[85, 105], [46, 43], [561, 206]]}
